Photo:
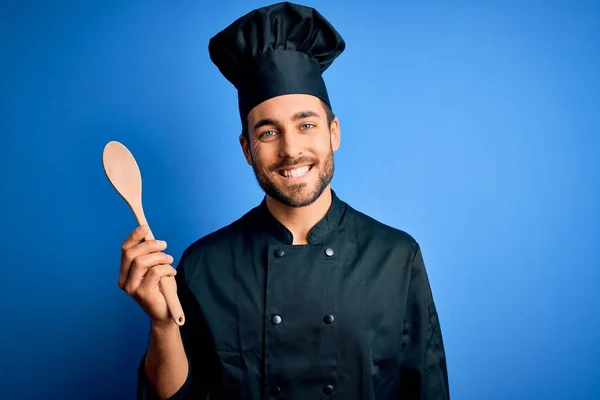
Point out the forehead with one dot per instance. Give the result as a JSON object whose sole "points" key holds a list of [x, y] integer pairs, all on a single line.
{"points": [[285, 106]]}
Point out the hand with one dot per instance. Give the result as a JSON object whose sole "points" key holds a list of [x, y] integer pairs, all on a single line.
{"points": [[142, 267]]}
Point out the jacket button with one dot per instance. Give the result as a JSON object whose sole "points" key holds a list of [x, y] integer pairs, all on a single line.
{"points": [[275, 391], [329, 251], [328, 319], [276, 320], [279, 253], [328, 390]]}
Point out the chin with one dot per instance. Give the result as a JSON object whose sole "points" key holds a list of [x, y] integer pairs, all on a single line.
{"points": [[296, 201], [297, 195]]}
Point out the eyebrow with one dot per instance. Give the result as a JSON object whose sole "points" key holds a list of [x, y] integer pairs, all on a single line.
{"points": [[305, 114], [265, 121], [272, 121]]}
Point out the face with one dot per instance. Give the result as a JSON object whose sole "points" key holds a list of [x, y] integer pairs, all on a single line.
{"points": [[291, 148]]}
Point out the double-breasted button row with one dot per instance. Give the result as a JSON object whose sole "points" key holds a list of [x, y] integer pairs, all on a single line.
{"points": [[280, 252], [328, 389], [276, 319]]}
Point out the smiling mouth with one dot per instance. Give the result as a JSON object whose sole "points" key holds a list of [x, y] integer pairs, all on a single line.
{"points": [[297, 172]]}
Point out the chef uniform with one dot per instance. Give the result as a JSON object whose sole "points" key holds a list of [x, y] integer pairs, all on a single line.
{"points": [[350, 315]]}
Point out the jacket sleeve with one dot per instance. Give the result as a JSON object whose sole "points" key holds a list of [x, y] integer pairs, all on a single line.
{"points": [[193, 334], [423, 374]]}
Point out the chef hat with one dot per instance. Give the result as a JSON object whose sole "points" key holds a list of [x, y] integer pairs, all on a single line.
{"points": [[280, 49]]}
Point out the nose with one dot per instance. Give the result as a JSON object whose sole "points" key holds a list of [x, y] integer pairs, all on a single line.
{"points": [[289, 145]]}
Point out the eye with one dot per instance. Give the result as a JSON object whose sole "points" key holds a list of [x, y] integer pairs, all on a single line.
{"points": [[268, 133], [307, 126]]}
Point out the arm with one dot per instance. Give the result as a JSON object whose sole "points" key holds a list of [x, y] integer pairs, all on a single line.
{"points": [[166, 364], [423, 375], [169, 369]]}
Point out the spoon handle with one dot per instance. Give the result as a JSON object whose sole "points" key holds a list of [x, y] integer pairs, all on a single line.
{"points": [[167, 284]]}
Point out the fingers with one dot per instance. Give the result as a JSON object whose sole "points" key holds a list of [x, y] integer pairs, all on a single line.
{"points": [[132, 249], [154, 275], [140, 267], [134, 238]]}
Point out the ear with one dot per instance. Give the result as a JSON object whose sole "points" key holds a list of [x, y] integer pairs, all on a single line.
{"points": [[335, 134], [246, 149]]}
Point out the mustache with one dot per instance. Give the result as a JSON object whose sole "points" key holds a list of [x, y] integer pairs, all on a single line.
{"points": [[287, 163]]}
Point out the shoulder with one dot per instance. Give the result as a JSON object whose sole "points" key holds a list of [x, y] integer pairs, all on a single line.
{"points": [[217, 242], [366, 228]]}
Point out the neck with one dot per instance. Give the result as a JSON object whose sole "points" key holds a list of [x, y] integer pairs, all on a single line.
{"points": [[300, 220]]}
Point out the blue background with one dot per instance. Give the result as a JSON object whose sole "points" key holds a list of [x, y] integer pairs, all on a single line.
{"points": [[472, 126]]}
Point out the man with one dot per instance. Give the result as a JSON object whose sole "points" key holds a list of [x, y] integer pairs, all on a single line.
{"points": [[303, 297]]}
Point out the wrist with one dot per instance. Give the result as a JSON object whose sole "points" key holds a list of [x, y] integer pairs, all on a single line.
{"points": [[163, 327]]}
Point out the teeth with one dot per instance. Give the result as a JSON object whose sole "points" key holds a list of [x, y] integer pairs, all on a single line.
{"points": [[295, 173]]}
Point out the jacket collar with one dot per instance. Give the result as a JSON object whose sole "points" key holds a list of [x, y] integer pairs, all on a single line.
{"points": [[328, 224]]}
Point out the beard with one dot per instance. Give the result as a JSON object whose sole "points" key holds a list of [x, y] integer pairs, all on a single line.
{"points": [[299, 194]]}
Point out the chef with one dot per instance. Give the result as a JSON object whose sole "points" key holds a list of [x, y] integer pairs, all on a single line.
{"points": [[303, 297]]}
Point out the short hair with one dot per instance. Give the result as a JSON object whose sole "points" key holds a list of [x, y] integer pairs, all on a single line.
{"points": [[328, 112]]}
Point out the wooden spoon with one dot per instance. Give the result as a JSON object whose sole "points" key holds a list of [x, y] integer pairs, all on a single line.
{"points": [[123, 173]]}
